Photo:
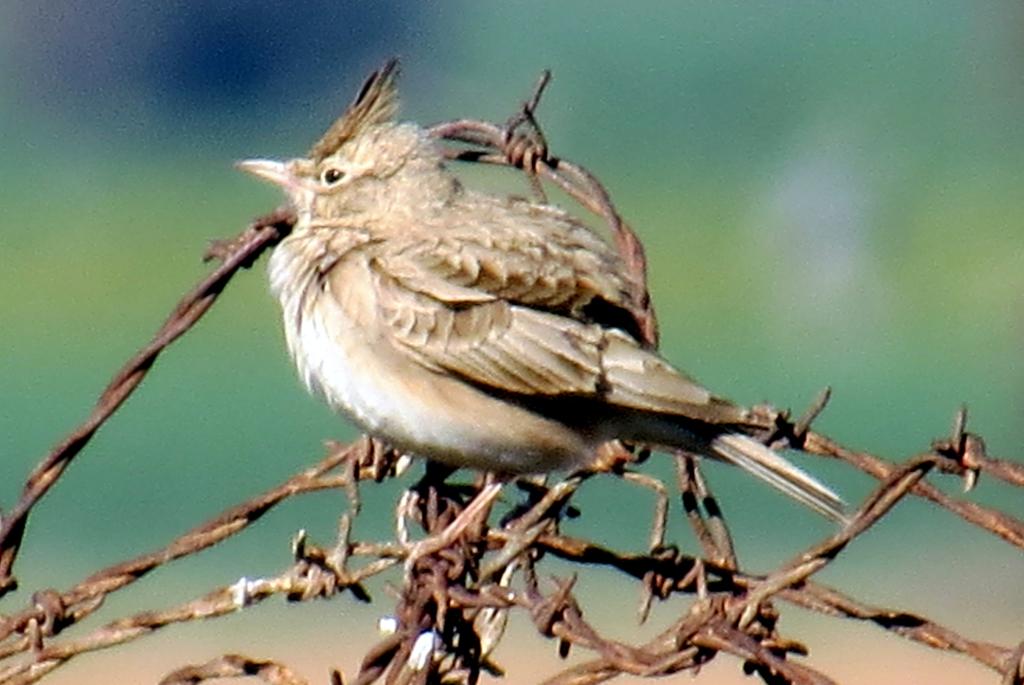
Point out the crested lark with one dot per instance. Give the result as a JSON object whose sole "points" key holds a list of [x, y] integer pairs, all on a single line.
{"points": [[471, 329]]}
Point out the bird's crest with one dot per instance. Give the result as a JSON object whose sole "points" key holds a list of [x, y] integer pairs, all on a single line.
{"points": [[376, 103]]}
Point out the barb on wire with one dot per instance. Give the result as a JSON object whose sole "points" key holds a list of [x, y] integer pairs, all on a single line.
{"points": [[466, 555]]}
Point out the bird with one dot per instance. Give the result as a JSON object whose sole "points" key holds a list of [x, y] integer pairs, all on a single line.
{"points": [[474, 329]]}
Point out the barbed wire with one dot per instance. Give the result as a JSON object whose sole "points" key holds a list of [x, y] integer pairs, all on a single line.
{"points": [[470, 567]]}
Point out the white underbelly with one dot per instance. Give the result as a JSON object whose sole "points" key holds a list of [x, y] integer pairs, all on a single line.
{"points": [[336, 362]]}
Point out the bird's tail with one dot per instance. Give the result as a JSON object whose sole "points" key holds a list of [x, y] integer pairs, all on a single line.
{"points": [[757, 459]]}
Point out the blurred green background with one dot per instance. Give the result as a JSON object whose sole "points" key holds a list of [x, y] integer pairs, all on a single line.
{"points": [[829, 194]]}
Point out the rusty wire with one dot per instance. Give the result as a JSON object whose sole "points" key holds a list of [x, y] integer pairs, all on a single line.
{"points": [[234, 666], [466, 572]]}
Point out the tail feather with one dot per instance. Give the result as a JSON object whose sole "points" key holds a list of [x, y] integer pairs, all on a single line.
{"points": [[757, 459]]}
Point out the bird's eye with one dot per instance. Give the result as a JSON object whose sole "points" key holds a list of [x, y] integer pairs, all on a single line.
{"points": [[332, 175]]}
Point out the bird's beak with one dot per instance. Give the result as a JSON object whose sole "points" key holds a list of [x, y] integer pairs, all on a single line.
{"points": [[277, 173]]}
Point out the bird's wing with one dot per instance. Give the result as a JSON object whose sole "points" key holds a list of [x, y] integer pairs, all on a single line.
{"points": [[507, 325], [541, 259]]}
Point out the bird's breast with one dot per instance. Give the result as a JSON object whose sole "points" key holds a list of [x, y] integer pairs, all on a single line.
{"points": [[329, 311]]}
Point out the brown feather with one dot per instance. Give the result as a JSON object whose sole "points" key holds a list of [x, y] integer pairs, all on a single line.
{"points": [[515, 349], [376, 103]]}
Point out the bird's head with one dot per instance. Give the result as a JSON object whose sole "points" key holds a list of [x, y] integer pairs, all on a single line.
{"points": [[364, 163]]}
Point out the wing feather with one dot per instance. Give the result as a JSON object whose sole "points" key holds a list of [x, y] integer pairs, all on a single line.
{"points": [[513, 348], [511, 308]]}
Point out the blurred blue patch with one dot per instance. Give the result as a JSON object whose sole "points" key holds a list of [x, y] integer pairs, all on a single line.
{"points": [[128, 60]]}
